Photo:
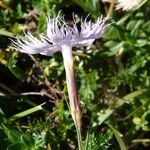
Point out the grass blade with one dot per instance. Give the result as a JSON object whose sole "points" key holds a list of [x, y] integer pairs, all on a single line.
{"points": [[118, 136], [27, 112]]}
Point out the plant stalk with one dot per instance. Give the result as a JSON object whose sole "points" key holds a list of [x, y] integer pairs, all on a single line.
{"points": [[72, 90], [110, 11]]}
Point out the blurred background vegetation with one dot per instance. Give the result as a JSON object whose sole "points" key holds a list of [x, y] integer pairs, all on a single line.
{"points": [[113, 79]]}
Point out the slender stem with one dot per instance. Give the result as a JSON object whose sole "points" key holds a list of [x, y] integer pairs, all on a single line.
{"points": [[111, 8], [72, 90]]}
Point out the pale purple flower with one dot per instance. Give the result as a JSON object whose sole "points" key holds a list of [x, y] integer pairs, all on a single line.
{"points": [[60, 36], [60, 33]]}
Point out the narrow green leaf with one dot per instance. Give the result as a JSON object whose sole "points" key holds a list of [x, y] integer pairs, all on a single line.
{"points": [[141, 141], [6, 33], [105, 115], [134, 94], [86, 141], [118, 136], [27, 112]]}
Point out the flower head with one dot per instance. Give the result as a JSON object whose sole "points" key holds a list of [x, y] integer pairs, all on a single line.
{"points": [[61, 36], [127, 4], [60, 33]]}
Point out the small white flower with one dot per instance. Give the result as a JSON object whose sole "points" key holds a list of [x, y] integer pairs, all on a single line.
{"points": [[61, 33], [127, 5]]}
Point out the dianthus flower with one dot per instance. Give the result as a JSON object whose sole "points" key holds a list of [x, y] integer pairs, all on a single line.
{"points": [[61, 36], [60, 33]]}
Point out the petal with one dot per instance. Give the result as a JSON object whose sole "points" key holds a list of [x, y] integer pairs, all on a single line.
{"points": [[91, 30], [29, 47], [84, 43], [33, 45], [51, 51]]}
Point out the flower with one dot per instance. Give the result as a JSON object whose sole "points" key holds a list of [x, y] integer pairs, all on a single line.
{"points": [[60, 36], [127, 4], [61, 33]]}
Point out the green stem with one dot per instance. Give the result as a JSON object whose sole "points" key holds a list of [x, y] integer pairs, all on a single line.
{"points": [[79, 137]]}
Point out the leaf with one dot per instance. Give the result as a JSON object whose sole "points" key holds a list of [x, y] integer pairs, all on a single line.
{"points": [[13, 136], [118, 136], [6, 33], [86, 141], [27, 112], [104, 116], [27, 140], [98, 141], [134, 26], [17, 146], [89, 5], [134, 94], [146, 26], [142, 43]]}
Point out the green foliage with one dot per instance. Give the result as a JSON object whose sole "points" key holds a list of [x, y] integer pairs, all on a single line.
{"points": [[88, 88], [16, 139], [99, 142], [89, 6]]}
